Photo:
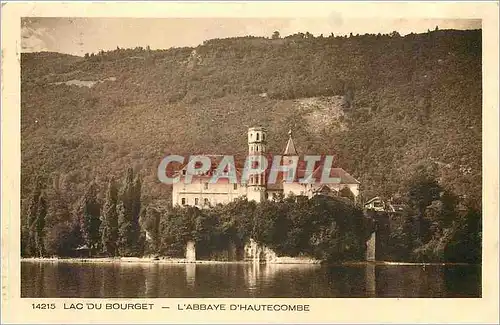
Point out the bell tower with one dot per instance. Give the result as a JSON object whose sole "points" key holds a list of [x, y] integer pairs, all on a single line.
{"points": [[257, 141], [257, 146]]}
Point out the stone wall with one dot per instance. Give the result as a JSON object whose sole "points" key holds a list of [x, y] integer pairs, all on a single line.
{"points": [[261, 254], [371, 248], [257, 253], [191, 251]]}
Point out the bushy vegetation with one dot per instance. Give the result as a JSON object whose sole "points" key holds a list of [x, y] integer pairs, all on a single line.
{"points": [[323, 227], [436, 227], [58, 226]]}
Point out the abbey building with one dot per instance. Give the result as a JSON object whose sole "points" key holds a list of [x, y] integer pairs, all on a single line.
{"points": [[199, 191]]}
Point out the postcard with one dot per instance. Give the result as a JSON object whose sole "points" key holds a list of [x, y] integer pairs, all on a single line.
{"points": [[249, 162]]}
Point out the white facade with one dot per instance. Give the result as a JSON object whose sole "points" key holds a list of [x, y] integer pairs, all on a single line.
{"points": [[202, 194]]}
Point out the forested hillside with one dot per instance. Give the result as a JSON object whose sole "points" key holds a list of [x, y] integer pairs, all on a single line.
{"points": [[382, 104]]}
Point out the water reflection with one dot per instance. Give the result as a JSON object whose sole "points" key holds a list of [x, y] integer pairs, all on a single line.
{"points": [[370, 275], [251, 273], [190, 275], [113, 280], [151, 288]]}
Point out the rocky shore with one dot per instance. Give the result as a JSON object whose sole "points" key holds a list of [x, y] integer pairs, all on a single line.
{"points": [[163, 260]]}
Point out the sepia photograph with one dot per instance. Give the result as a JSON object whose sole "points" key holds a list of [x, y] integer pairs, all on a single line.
{"points": [[249, 162], [251, 157]]}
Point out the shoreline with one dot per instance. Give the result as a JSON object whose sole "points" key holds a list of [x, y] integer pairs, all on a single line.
{"points": [[147, 260]]}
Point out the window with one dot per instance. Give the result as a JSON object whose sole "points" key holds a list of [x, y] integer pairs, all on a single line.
{"points": [[235, 186], [183, 201], [257, 136], [184, 172], [263, 136], [196, 201], [206, 186], [206, 201]]}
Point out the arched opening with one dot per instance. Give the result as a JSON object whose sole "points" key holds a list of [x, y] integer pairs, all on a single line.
{"points": [[257, 137]]}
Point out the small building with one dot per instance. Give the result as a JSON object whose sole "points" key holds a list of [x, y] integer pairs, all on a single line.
{"points": [[82, 251], [375, 204]]}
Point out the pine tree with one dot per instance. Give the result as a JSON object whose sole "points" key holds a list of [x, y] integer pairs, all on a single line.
{"points": [[32, 217], [110, 220], [136, 213], [39, 226], [125, 232], [91, 219], [136, 199], [128, 216]]}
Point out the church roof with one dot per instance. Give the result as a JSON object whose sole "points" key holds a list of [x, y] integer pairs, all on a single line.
{"points": [[337, 172], [215, 159], [340, 174], [290, 146]]}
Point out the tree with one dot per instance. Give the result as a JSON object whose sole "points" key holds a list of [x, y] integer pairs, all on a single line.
{"points": [[109, 227], [422, 190], [128, 216], [40, 226], [63, 238], [449, 208], [395, 34], [91, 219], [33, 212], [348, 100], [276, 35], [59, 237], [300, 228], [150, 222], [136, 199], [270, 224], [176, 229]]}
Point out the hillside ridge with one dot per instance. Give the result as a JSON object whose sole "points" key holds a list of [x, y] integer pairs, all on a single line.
{"points": [[382, 104]]}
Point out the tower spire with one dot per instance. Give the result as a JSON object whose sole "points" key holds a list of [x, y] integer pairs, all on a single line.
{"points": [[290, 146]]}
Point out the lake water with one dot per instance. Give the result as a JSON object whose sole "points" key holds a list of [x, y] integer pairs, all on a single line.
{"points": [[156, 280]]}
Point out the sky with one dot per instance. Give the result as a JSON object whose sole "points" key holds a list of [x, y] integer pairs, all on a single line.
{"points": [[78, 36]]}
